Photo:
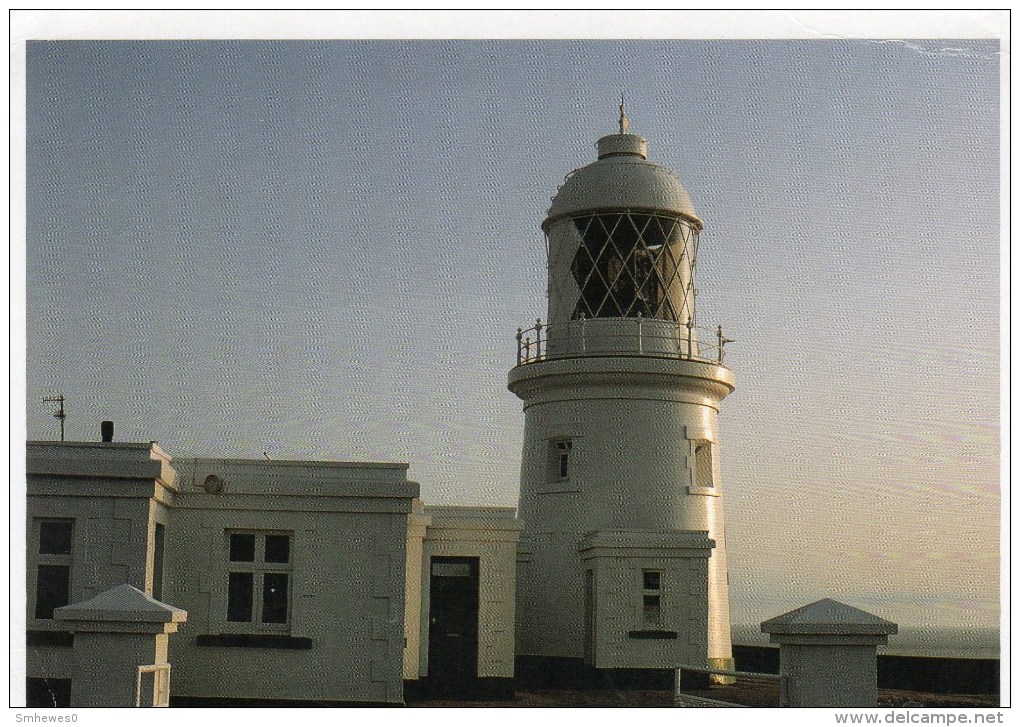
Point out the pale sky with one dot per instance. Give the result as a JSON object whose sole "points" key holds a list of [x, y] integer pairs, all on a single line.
{"points": [[323, 250]]}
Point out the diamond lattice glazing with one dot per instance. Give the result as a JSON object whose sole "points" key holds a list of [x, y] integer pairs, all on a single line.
{"points": [[630, 263]]}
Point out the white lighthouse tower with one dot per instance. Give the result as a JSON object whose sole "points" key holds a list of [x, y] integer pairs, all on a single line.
{"points": [[622, 563]]}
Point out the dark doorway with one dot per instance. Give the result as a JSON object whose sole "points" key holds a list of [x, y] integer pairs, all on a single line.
{"points": [[453, 625], [47, 692]]}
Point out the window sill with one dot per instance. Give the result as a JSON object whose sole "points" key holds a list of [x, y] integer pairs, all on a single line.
{"points": [[49, 638], [708, 491], [652, 634], [255, 641]]}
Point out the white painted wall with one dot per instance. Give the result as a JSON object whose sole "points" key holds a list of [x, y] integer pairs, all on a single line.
{"points": [[115, 493], [830, 675], [633, 422], [348, 566], [618, 560], [490, 534], [416, 524]]}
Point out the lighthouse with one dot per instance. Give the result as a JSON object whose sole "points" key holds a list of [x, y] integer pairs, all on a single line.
{"points": [[622, 560]]}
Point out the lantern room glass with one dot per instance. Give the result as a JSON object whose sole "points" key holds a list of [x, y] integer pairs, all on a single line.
{"points": [[629, 264]]}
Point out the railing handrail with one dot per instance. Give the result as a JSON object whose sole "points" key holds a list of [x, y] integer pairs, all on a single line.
{"points": [[532, 340], [161, 684], [783, 679], [732, 673]]}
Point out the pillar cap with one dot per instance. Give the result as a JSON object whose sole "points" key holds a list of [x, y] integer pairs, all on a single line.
{"points": [[121, 604], [827, 618]]}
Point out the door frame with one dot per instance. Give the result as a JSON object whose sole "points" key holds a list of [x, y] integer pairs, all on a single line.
{"points": [[474, 575]]}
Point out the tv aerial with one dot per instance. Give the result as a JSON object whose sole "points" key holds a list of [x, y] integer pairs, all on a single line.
{"points": [[59, 413]]}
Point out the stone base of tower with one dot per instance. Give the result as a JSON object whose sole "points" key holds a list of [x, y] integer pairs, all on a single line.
{"points": [[725, 663]]}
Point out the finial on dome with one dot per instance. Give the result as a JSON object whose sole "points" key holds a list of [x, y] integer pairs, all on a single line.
{"points": [[624, 123]]}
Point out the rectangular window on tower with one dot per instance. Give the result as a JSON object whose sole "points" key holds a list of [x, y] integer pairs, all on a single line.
{"points": [[559, 460], [54, 540], [651, 597], [258, 579], [703, 464]]}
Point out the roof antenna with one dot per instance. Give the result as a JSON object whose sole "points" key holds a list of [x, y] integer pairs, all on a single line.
{"points": [[59, 413], [624, 123]]}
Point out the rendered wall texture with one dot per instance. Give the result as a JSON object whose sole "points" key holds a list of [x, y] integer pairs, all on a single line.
{"points": [[343, 640], [114, 494], [634, 424], [346, 526], [491, 535]]}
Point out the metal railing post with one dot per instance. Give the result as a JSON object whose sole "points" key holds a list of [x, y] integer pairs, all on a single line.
{"points": [[640, 340], [722, 344], [573, 329]]}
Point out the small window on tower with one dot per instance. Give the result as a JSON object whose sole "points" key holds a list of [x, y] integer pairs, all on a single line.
{"points": [[651, 597], [652, 610], [559, 460], [703, 464]]}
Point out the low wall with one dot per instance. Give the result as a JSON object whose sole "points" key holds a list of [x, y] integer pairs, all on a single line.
{"points": [[937, 675]]}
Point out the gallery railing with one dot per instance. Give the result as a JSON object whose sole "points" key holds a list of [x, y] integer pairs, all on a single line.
{"points": [[622, 337]]}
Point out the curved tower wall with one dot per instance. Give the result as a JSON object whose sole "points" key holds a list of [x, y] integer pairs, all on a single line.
{"points": [[633, 425], [620, 472]]}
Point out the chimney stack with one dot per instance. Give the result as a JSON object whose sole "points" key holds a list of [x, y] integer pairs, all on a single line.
{"points": [[107, 431]]}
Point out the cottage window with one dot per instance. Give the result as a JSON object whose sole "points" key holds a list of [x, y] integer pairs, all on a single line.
{"points": [[258, 581], [158, 547], [53, 566]]}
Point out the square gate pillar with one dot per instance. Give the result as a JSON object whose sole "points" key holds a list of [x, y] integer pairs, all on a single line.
{"points": [[120, 648], [828, 654]]}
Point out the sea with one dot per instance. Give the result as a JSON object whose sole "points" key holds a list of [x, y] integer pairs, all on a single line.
{"points": [[948, 643]]}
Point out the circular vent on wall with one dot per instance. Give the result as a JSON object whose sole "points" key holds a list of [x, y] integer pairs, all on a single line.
{"points": [[213, 484]]}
